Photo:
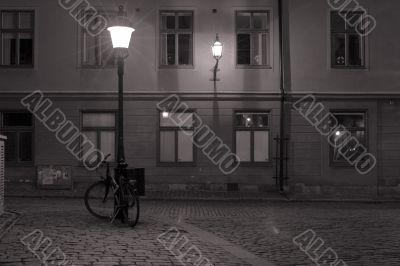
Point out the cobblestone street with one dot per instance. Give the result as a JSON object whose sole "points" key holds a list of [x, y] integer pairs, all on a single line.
{"points": [[226, 233]]}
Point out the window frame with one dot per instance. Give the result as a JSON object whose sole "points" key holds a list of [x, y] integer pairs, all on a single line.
{"points": [[269, 31], [18, 130], [98, 130], [346, 33], [176, 31], [253, 163], [17, 31], [175, 163], [363, 112], [108, 14]]}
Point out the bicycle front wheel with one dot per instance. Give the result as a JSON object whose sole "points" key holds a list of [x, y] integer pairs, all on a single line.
{"points": [[132, 211], [99, 202]]}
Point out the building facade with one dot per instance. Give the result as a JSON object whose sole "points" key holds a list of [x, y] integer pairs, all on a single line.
{"points": [[45, 47]]}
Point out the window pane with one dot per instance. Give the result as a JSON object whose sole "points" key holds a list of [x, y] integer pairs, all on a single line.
{"points": [[243, 145], [25, 49], [255, 120], [92, 137], [107, 144], [167, 49], [353, 18], [107, 51], [260, 44], [260, 20], [176, 119], [243, 49], [261, 146], [185, 20], [338, 24], [355, 50], [25, 146], [350, 150], [26, 20], [185, 147], [98, 120], [9, 20], [243, 20], [11, 146], [167, 146], [168, 20], [17, 120], [351, 120], [339, 49], [185, 49], [9, 41], [89, 50]]}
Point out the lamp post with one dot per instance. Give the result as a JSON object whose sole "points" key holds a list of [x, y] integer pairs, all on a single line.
{"points": [[121, 33], [217, 54]]}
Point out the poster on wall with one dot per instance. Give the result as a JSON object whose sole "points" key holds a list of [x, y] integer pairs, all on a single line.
{"points": [[54, 177]]}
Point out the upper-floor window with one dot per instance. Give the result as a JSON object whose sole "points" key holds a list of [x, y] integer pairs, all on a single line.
{"points": [[253, 38], [17, 35], [347, 45], [18, 128], [176, 140], [252, 137], [97, 51], [176, 38]]}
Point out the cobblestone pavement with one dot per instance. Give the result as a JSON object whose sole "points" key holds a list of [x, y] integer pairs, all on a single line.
{"points": [[361, 234]]}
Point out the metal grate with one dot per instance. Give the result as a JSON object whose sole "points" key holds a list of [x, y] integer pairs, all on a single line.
{"points": [[1, 176]]}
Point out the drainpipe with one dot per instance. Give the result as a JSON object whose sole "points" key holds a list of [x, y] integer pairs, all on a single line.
{"points": [[282, 132]]}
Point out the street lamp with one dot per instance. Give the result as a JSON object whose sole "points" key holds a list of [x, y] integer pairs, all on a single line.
{"points": [[217, 54], [121, 32]]}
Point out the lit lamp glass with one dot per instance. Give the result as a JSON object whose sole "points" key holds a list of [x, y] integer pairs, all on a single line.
{"points": [[120, 36], [217, 49]]}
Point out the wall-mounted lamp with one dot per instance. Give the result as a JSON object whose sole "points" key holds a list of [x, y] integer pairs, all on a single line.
{"points": [[217, 54]]}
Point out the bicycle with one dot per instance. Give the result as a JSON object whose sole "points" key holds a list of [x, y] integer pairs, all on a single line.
{"points": [[123, 201]]}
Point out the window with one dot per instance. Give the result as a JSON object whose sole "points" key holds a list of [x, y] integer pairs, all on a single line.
{"points": [[17, 32], [176, 38], [347, 46], [99, 128], [97, 51], [18, 127], [252, 138], [354, 124], [176, 140], [253, 38]]}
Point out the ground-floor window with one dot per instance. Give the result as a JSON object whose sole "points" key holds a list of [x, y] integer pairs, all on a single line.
{"points": [[355, 124], [252, 137], [18, 128], [176, 138], [99, 128]]}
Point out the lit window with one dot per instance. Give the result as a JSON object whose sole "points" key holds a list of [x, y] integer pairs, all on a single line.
{"points": [[253, 38], [252, 136], [176, 38], [17, 32], [176, 137], [348, 46]]}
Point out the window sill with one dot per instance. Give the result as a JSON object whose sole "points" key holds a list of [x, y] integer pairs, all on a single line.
{"points": [[176, 67], [256, 164], [17, 67], [252, 67], [363, 68], [15, 164], [176, 164], [96, 67]]}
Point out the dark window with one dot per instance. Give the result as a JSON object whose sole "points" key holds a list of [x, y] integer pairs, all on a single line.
{"points": [[99, 128], [16, 45], [176, 38], [355, 124], [347, 45], [253, 38], [18, 127], [176, 140], [97, 51], [252, 136]]}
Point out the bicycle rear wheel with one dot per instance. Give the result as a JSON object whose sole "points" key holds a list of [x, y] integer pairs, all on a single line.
{"points": [[98, 202], [132, 211]]}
